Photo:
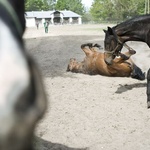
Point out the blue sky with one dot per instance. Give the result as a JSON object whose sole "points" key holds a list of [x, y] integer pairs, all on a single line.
{"points": [[87, 3]]}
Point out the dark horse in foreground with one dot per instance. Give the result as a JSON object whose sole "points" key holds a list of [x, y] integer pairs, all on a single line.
{"points": [[135, 29], [22, 96], [94, 64]]}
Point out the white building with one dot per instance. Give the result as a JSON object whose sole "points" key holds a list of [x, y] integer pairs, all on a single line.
{"points": [[53, 17]]}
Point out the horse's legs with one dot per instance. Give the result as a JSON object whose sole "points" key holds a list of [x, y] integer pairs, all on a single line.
{"points": [[128, 54], [148, 89], [125, 56], [89, 46], [129, 48], [86, 49], [95, 47]]}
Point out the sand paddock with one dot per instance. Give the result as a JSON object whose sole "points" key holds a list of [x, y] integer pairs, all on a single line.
{"points": [[93, 112]]}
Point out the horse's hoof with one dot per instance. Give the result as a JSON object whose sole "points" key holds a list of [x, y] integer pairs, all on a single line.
{"points": [[123, 56], [131, 51], [98, 46], [90, 45], [83, 45]]}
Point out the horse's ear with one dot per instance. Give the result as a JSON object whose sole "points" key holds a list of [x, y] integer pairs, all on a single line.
{"points": [[110, 31], [105, 30]]}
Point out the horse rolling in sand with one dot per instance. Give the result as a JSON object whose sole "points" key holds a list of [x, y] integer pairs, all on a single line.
{"points": [[22, 96], [94, 64], [135, 29]]}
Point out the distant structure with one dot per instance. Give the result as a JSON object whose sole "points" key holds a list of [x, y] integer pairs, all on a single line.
{"points": [[53, 17]]}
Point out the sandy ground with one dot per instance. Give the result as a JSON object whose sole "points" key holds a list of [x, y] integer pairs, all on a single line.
{"points": [[93, 112]]}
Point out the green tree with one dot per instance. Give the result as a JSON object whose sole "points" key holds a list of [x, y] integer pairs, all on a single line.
{"points": [[102, 10], [86, 18], [116, 10], [35, 5], [73, 5], [49, 5], [128, 8]]}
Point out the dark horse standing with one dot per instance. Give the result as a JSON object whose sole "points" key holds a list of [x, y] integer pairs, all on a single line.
{"points": [[135, 29], [22, 96]]}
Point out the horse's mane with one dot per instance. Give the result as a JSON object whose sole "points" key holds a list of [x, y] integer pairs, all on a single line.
{"points": [[134, 23]]}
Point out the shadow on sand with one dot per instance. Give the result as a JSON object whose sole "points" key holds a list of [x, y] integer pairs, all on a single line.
{"points": [[40, 144], [126, 87]]}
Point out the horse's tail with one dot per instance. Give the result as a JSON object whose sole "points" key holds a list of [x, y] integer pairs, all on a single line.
{"points": [[148, 89], [137, 73]]}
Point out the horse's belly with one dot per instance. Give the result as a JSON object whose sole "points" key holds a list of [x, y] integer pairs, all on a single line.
{"points": [[121, 70], [101, 67]]}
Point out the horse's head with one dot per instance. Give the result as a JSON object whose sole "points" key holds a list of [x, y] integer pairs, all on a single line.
{"points": [[22, 99], [72, 64], [112, 45]]}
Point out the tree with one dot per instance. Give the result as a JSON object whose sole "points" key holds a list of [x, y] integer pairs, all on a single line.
{"points": [[102, 10], [73, 5], [48, 5], [128, 8], [86, 18], [35, 5], [116, 10]]}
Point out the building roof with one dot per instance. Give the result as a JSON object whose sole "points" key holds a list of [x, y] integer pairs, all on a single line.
{"points": [[68, 13], [47, 14]]}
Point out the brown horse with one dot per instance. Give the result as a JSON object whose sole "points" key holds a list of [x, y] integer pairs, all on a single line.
{"points": [[94, 64]]}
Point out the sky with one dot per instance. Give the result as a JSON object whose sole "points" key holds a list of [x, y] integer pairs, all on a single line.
{"points": [[87, 3]]}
